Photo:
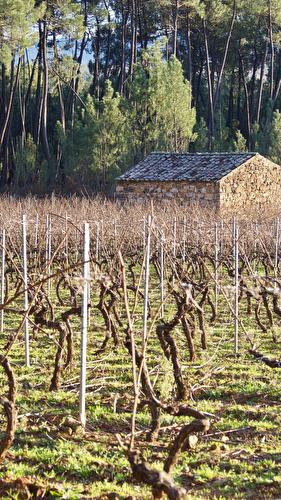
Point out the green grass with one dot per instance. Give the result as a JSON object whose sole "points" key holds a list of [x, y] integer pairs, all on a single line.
{"points": [[239, 458]]}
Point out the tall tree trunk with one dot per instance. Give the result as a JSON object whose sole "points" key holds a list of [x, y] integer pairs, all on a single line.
{"points": [[7, 116], [271, 71], [197, 81], [274, 99], [136, 31], [96, 47], [214, 100], [211, 119], [252, 86], [3, 89], [44, 99], [133, 36], [142, 23], [37, 106], [28, 92], [167, 36], [230, 115], [108, 41], [59, 87], [6, 127], [61, 101], [73, 87], [225, 54], [123, 48], [4, 172], [258, 109], [175, 26], [189, 46], [248, 120], [22, 114], [239, 93], [8, 105]]}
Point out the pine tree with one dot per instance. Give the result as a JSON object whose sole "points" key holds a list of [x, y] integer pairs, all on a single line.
{"points": [[161, 100]]}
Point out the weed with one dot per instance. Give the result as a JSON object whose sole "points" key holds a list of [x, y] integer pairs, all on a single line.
{"points": [[239, 458]]}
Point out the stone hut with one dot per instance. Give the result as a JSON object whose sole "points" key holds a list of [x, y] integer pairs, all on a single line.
{"points": [[223, 179]]}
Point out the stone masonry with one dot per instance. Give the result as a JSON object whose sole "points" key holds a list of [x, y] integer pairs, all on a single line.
{"points": [[204, 192], [256, 182], [221, 179]]}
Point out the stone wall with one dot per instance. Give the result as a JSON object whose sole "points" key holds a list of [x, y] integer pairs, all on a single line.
{"points": [[256, 182], [184, 192]]}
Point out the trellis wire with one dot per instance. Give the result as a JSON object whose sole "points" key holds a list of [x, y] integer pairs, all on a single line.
{"points": [[172, 237]]}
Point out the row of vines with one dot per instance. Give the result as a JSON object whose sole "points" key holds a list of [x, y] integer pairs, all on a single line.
{"points": [[206, 272]]}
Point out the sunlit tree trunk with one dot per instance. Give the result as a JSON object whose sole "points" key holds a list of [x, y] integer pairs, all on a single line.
{"points": [[258, 109], [96, 47], [37, 106], [231, 101], [211, 124], [108, 41], [45, 98], [225, 54], [175, 26], [248, 119], [27, 101], [122, 76], [7, 122], [59, 87], [213, 99], [189, 46], [271, 69], [134, 25], [73, 89]]}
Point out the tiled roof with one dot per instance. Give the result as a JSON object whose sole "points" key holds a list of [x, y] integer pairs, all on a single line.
{"points": [[207, 167]]}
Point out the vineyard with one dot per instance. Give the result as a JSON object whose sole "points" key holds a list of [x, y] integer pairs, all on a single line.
{"points": [[145, 365]]}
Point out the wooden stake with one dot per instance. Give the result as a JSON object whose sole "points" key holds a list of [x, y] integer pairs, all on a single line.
{"points": [[3, 278], [84, 315], [146, 278], [27, 363]]}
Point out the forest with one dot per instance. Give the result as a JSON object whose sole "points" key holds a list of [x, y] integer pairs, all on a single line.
{"points": [[88, 88]]}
